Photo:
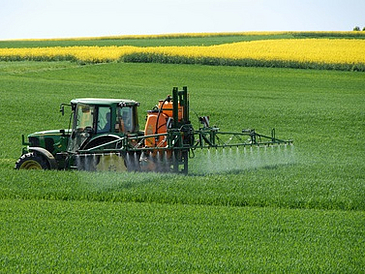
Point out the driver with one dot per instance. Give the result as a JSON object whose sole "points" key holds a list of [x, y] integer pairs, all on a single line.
{"points": [[106, 127]]}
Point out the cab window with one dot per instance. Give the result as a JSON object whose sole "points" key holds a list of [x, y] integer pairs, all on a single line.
{"points": [[104, 120], [127, 119]]}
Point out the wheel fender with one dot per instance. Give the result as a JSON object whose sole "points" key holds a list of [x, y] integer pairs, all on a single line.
{"points": [[88, 143], [47, 155]]}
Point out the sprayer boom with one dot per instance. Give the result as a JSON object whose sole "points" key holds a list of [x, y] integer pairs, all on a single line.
{"points": [[212, 137]]}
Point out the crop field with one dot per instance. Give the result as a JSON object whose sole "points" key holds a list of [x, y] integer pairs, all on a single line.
{"points": [[275, 50], [291, 209]]}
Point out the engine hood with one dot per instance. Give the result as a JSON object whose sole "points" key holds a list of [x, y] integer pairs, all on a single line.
{"points": [[55, 132]]}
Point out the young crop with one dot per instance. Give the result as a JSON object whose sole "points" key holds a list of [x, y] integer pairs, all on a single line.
{"points": [[80, 237]]}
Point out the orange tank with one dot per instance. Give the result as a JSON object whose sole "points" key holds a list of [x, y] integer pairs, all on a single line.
{"points": [[167, 108], [152, 127]]}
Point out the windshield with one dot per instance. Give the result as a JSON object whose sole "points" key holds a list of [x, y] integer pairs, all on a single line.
{"points": [[85, 117], [83, 126]]}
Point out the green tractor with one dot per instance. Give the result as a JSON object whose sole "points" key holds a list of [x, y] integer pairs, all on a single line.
{"points": [[105, 136]]}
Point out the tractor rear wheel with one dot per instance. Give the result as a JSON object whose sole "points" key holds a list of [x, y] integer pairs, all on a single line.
{"points": [[31, 161]]}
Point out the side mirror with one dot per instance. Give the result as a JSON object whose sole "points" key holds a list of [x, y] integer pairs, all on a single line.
{"points": [[62, 108]]}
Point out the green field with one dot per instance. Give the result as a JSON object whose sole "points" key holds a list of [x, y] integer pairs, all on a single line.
{"points": [[294, 209], [153, 42]]}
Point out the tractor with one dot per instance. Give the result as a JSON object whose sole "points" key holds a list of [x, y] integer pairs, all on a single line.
{"points": [[105, 135]]}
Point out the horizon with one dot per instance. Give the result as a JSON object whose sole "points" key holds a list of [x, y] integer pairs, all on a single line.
{"points": [[179, 35]]}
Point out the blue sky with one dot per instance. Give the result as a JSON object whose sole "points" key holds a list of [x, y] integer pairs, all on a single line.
{"points": [[80, 18]]}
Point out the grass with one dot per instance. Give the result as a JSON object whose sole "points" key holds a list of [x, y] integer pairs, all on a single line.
{"points": [[301, 211]]}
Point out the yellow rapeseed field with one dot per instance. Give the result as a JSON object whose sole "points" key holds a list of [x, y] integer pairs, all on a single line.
{"points": [[318, 51], [93, 54], [341, 51]]}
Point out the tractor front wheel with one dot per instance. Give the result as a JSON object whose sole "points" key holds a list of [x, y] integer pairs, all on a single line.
{"points": [[31, 161]]}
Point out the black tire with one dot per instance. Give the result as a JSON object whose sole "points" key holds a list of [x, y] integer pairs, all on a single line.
{"points": [[31, 161]]}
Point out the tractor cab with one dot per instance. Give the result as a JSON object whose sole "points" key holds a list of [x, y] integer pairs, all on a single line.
{"points": [[93, 118]]}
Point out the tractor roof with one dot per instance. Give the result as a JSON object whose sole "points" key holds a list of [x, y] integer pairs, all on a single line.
{"points": [[103, 101]]}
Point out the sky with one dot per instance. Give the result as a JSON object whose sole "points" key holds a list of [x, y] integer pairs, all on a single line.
{"points": [[21, 19]]}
